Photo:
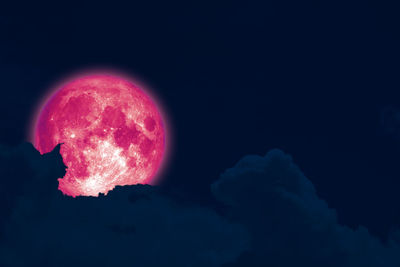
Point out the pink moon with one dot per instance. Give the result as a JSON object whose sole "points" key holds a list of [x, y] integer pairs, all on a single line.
{"points": [[112, 133]]}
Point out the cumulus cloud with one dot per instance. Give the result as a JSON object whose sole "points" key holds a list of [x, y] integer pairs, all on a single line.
{"points": [[289, 223], [270, 215], [24, 172], [131, 226]]}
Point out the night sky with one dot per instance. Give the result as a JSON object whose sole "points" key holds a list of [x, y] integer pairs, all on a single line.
{"points": [[318, 80]]}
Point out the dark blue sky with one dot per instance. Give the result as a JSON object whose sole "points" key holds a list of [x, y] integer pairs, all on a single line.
{"points": [[313, 78]]}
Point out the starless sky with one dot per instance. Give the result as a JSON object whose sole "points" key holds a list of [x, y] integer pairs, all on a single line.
{"points": [[235, 78]]}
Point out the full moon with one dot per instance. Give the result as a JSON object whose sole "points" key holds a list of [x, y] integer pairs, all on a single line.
{"points": [[111, 132]]}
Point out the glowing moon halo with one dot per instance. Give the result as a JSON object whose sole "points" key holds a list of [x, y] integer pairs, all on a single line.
{"points": [[112, 134]]}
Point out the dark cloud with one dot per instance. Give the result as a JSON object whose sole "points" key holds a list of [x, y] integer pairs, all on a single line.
{"points": [[289, 223], [270, 215], [131, 226], [24, 172]]}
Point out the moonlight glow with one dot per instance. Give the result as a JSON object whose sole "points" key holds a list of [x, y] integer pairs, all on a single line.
{"points": [[112, 134]]}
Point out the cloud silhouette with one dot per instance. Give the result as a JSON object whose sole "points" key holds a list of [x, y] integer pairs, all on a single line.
{"points": [[131, 226], [289, 223], [24, 172], [270, 215]]}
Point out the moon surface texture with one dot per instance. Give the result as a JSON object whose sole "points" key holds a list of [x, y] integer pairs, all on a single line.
{"points": [[112, 134]]}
